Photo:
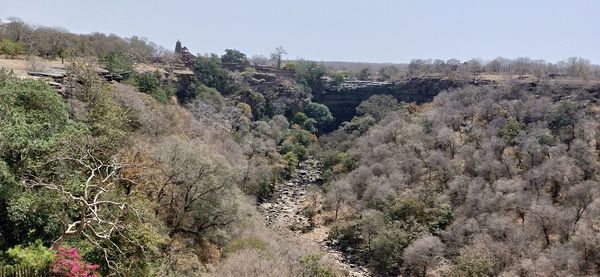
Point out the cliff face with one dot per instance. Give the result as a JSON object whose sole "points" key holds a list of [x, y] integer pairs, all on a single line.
{"points": [[343, 99]]}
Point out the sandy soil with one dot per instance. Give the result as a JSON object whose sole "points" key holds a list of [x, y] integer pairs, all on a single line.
{"points": [[21, 65]]}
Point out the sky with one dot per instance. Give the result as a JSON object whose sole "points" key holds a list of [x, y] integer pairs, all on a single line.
{"points": [[339, 30]]}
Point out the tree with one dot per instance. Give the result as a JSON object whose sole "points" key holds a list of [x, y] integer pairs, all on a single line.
{"points": [[339, 193], [259, 60], [320, 113], [364, 74], [234, 56], [309, 73], [544, 220], [118, 63], [475, 260], [387, 73], [377, 106], [11, 48], [563, 116], [209, 72], [193, 188], [277, 56], [475, 68], [511, 129], [423, 253]]}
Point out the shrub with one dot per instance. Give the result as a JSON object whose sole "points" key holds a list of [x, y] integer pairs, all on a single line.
{"points": [[11, 48], [313, 267], [68, 263], [118, 63], [246, 243], [35, 256]]}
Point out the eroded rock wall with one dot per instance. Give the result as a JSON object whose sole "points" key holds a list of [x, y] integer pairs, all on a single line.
{"points": [[343, 99]]}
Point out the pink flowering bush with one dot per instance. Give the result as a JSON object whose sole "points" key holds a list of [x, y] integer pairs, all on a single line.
{"points": [[68, 263]]}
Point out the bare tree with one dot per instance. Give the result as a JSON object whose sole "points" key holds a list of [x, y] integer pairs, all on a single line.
{"points": [[339, 193], [101, 209], [277, 55], [423, 253]]}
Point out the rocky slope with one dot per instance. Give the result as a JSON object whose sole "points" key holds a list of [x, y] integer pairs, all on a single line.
{"points": [[286, 213]]}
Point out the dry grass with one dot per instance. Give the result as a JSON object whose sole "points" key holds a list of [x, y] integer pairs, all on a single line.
{"points": [[22, 65]]}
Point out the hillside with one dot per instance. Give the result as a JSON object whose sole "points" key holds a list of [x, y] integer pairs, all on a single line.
{"points": [[118, 157]]}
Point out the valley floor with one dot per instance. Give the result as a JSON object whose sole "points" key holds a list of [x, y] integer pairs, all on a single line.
{"points": [[285, 214]]}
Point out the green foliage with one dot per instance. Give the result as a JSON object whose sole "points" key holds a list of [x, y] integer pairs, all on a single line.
{"points": [[387, 248], [35, 256], [427, 126], [256, 101], [146, 82], [150, 83], [309, 73], [34, 124], [337, 77], [118, 63], [243, 243], [297, 141], [358, 125], [33, 120], [378, 106], [105, 118], [305, 122], [286, 99], [209, 72], [564, 115], [511, 129], [210, 96], [386, 73], [11, 48], [264, 183], [291, 162], [320, 113], [347, 234], [406, 210], [314, 268], [234, 56]]}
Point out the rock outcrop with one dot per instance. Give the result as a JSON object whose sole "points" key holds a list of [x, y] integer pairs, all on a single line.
{"points": [[343, 99], [285, 213]]}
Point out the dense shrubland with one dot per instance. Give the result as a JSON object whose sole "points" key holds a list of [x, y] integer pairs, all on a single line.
{"points": [[138, 186], [480, 182], [158, 175], [57, 42]]}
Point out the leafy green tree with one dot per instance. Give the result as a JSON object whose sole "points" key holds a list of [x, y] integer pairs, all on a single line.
{"points": [[256, 101], [305, 122], [34, 256], [563, 117], [149, 82], [314, 268], [320, 113], [309, 73], [234, 56], [511, 129], [34, 124], [118, 63], [337, 78], [11, 48], [209, 72]]}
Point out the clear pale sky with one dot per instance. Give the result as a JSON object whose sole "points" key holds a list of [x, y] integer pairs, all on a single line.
{"points": [[338, 30]]}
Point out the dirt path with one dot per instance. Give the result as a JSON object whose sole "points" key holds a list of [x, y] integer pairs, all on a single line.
{"points": [[284, 213]]}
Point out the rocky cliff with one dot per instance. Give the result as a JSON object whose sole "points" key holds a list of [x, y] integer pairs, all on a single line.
{"points": [[343, 99]]}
